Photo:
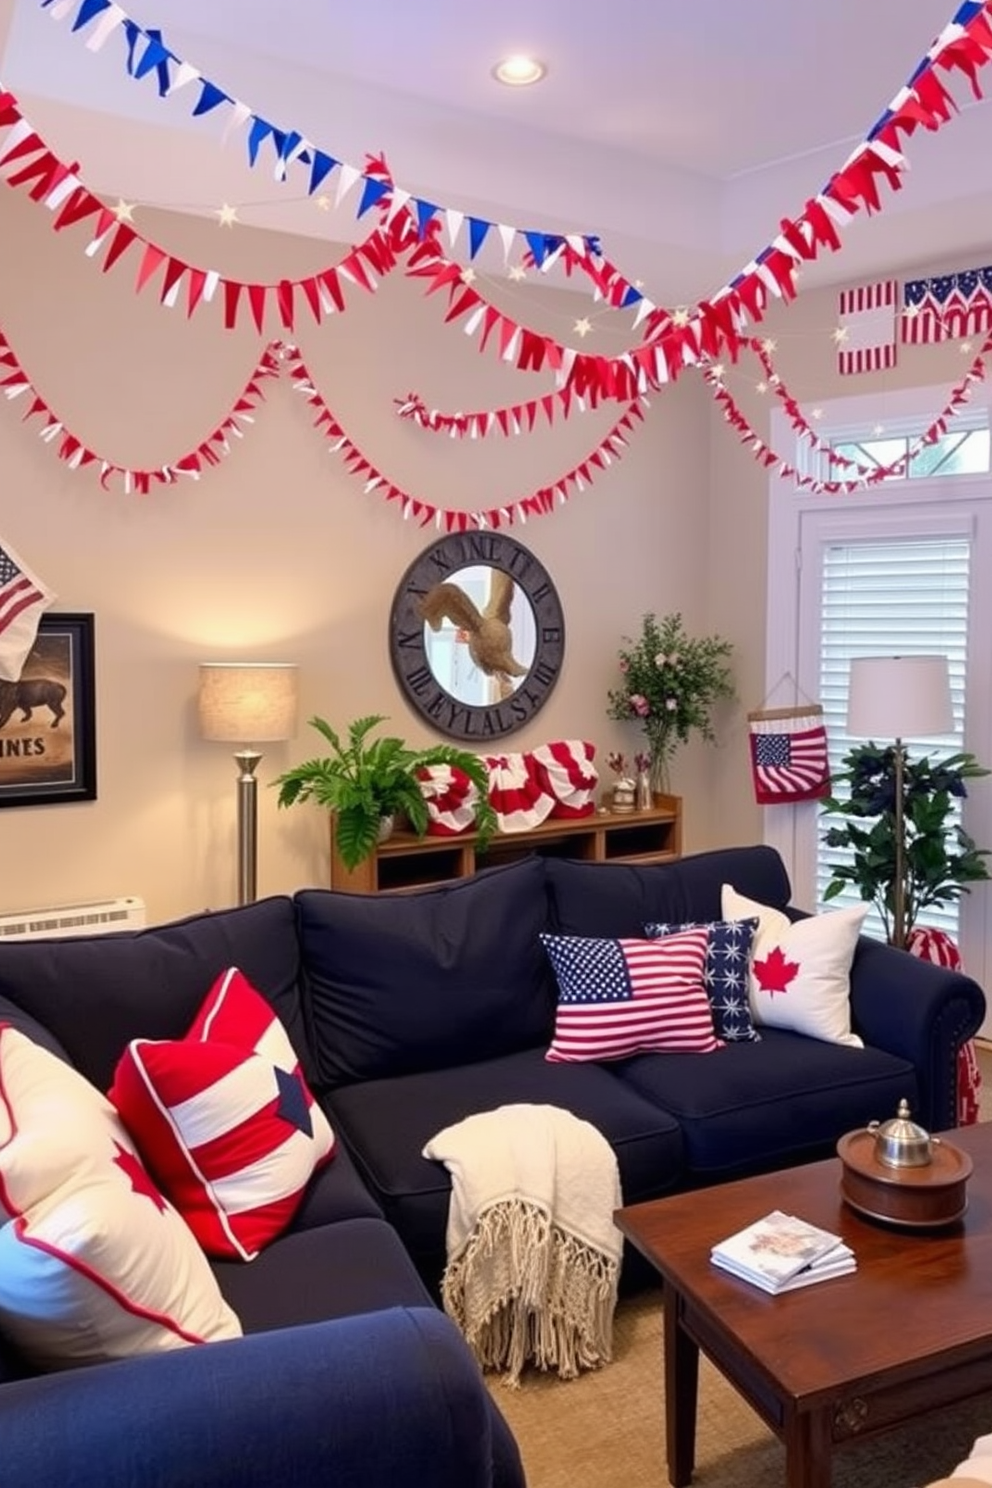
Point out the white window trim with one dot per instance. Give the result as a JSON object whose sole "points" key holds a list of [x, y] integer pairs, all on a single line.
{"points": [[790, 675]]}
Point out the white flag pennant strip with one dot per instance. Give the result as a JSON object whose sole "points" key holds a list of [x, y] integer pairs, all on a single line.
{"points": [[868, 327]]}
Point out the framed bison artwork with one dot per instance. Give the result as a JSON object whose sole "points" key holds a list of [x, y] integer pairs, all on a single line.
{"points": [[47, 718]]}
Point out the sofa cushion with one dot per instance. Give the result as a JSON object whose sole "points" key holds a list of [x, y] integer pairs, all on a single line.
{"points": [[359, 1265], [386, 1123], [801, 970], [94, 1263], [759, 1106], [617, 997], [225, 1120], [726, 973], [417, 981], [619, 899], [149, 983]]}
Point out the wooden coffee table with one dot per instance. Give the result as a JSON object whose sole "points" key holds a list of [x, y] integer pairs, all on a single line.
{"points": [[832, 1364]]}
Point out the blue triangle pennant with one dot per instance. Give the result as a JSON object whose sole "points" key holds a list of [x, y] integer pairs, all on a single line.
{"points": [[322, 167], [260, 131], [478, 230], [210, 97], [372, 192], [86, 12], [156, 58], [426, 212]]}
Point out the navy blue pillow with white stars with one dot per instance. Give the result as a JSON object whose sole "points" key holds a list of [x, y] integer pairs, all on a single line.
{"points": [[725, 972]]}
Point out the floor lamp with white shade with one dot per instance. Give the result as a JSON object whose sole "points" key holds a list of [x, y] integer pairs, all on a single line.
{"points": [[247, 703], [898, 698]]}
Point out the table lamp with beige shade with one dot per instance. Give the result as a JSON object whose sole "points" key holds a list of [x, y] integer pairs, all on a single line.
{"points": [[247, 703]]}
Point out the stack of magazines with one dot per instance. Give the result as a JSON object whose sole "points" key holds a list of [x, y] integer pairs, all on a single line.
{"points": [[780, 1252]]}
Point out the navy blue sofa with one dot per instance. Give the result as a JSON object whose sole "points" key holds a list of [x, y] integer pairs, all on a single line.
{"points": [[410, 1011]]}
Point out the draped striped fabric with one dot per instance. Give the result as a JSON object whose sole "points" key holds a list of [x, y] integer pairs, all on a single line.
{"points": [[931, 944]]}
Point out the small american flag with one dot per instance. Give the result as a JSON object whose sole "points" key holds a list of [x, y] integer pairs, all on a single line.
{"points": [[868, 324], [789, 755], [23, 600], [617, 997]]}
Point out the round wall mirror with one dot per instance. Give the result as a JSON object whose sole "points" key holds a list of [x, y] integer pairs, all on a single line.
{"points": [[476, 635]]}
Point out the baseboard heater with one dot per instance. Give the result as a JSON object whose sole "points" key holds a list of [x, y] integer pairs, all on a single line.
{"points": [[99, 917]]}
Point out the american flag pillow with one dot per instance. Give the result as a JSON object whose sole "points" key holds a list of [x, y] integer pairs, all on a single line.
{"points": [[622, 997], [224, 1119], [726, 974]]}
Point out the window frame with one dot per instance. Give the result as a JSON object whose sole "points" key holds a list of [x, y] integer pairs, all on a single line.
{"points": [[922, 507]]}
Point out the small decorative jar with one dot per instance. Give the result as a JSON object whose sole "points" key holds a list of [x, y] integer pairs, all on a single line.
{"points": [[624, 795]]}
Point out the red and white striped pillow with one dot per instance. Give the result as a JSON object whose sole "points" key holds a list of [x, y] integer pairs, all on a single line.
{"points": [[224, 1119]]}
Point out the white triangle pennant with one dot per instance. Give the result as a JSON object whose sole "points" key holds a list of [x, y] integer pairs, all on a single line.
{"points": [[238, 117], [347, 176], [16, 136], [107, 24], [507, 235], [64, 189], [453, 220], [184, 73]]}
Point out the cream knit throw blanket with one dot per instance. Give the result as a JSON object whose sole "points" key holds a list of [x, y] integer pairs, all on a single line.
{"points": [[533, 1253]]}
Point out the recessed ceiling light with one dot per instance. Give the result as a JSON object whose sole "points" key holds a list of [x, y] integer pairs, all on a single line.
{"points": [[519, 72]]}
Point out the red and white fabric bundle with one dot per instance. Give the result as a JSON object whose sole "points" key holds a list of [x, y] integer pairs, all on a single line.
{"points": [[525, 788], [937, 946]]}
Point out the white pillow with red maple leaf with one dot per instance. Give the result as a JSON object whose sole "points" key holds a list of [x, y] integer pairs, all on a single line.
{"points": [[800, 972]]}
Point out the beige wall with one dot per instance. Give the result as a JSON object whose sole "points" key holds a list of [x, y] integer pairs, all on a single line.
{"points": [[277, 554]]}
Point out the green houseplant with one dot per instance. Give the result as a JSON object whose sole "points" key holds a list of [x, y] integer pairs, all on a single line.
{"points": [[940, 861], [670, 683], [364, 780]]}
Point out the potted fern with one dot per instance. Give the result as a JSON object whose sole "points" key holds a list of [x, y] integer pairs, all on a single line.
{"points": [[367, 781]]}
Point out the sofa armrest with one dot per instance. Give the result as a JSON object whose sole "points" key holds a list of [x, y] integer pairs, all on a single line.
{"points": [[376, 1399], [920, 1011]]}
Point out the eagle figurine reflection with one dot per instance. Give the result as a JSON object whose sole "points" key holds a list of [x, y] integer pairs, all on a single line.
{"points": [[488, 634]]}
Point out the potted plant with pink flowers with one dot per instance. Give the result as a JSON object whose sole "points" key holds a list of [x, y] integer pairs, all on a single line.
{"points": [[670, 683]]}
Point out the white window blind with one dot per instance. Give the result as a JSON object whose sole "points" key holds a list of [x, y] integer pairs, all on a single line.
{"points": [[904, 597]]}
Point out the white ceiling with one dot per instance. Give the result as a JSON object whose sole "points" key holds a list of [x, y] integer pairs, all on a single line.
{"points": [[681, 131]]}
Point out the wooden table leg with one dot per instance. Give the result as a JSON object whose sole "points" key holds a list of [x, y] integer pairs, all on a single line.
{"points": [[808, 1449], [681, 1394]]}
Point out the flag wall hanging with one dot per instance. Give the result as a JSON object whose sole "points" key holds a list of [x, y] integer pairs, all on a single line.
{"points": [[788, 754], [867, 341], [947, 307]]}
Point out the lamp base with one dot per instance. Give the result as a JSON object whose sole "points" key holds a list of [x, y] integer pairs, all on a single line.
{"points": [[247, 762]]}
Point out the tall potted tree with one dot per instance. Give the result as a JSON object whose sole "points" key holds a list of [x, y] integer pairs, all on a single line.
{"points": [[940, 860], [368, 781]]}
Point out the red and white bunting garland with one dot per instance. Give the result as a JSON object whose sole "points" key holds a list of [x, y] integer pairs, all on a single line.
{"points": [[274, 361], [540, 503], [866, 475], [72, 451], [518, 418]]}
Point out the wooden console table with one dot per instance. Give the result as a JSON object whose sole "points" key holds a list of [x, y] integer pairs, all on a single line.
{"points": [[409, 862]]}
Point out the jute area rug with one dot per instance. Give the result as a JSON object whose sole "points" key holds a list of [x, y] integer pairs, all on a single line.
{"points": [[606, 1428]]}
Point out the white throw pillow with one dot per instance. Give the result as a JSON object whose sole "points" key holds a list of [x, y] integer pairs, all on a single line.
{"points": [[800, 976], [94, 1263]]}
